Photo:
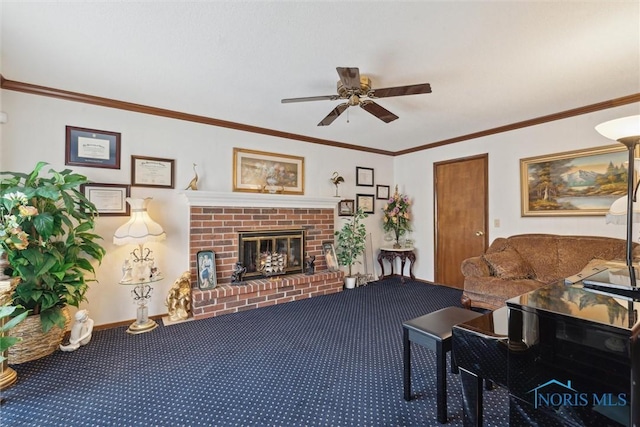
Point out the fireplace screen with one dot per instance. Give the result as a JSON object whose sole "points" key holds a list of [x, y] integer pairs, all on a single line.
{"points": [[271, 252]]}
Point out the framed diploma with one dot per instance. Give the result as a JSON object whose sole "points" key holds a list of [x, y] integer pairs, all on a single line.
{"points": [[109, 199], [92, 148], [152, 172]]}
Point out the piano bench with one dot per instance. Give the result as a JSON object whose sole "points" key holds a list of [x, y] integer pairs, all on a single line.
{"points": [[433, 331]]}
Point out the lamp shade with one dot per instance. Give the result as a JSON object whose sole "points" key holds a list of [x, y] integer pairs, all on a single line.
{"points": [[618, 212], [140, 228], [617, 129]]}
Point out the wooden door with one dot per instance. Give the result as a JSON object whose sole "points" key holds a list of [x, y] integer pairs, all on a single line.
{"points": [[461, 210]]}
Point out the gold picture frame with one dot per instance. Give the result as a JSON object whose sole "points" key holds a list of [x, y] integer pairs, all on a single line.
{"points": [[573, 183], [262, 172]]}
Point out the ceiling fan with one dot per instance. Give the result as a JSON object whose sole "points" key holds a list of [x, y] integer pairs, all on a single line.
{"points": [[353, 87]]}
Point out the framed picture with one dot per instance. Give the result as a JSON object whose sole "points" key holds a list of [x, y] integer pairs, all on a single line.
{"points": [[382, 192], [92, 148], [364, 177], [346, 207], [152, 172], [365, 202], [109, 199], [261, 172], [206, 263], [330, 257], [573, 183]]}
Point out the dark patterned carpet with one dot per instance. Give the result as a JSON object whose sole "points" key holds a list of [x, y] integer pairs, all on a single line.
{"points": [[334, 360]]}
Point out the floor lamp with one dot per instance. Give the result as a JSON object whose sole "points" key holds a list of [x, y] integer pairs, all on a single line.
{"points": [[626, 130]]}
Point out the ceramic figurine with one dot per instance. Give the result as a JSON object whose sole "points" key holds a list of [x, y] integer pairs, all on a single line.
{"points": [[126, 271], [238, 272], [310, 266], [179, 298], [80, 331]]}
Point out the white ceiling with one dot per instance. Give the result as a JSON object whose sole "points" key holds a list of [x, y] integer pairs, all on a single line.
{"points": [[490, 63]]}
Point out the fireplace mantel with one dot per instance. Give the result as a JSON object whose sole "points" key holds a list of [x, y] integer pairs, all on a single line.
{"points": [[258, 200]]}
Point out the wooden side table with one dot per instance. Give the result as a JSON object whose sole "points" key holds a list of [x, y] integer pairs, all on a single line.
{"points": [[390, 254]]}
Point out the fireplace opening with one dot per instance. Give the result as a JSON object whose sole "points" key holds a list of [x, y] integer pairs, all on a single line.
{"points": [[271, 252]]}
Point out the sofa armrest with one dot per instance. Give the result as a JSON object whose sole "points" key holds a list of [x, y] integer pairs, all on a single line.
{"points": [[475, 266]]}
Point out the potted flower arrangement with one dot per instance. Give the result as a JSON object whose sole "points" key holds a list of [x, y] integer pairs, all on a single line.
{"points": [[397, 216], [351, 244], [46, 226]]}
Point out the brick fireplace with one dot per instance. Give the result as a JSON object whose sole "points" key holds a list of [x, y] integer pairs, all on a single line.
{"points": [[215, 221]]}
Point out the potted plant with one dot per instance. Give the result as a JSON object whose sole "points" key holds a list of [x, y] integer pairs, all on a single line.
{"points": [[351, 244], [46, 231]]}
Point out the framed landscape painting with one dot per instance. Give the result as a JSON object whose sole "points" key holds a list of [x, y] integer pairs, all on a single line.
{"points": [[573, 183]]}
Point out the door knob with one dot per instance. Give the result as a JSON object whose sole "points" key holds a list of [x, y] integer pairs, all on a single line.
{"points": [[479, 233]]}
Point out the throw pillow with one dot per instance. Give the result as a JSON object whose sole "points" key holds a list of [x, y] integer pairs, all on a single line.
{"points": [[508, 264]]}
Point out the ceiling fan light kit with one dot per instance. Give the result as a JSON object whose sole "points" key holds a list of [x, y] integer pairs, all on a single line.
{"points": [[352, 87]]}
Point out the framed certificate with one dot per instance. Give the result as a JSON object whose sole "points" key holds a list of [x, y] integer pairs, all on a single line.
{"points": [[365, 202], [152, 172], [92, 148], [109, 199]]}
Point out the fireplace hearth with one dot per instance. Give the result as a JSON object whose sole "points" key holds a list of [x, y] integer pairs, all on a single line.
{"points": [[216, 224]]}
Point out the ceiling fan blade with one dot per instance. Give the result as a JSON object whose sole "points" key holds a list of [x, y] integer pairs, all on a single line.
{"points": [[400, 90], [349, 76], [333, 114], [378, 111], [311, 98]]}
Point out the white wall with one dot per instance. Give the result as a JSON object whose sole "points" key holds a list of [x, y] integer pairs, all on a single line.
{"points": [[414, 173], [36, 131]]}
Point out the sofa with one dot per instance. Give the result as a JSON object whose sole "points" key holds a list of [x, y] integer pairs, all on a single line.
{"points": [[518, 264]]}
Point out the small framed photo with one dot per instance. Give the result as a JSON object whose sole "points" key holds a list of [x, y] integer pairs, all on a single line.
{"points": [[206, 263], [346, 207], [92, 148], [152, 172], [109, 199], [382, 192], [365, 202], [364, 176], [330, 257]]}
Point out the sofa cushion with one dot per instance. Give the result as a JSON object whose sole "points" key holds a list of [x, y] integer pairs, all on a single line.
{"points": [[541, 251], [508, 264], [491, 292]]}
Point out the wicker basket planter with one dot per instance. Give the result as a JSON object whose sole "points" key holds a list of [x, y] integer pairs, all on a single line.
{"points": [[36, 344]]}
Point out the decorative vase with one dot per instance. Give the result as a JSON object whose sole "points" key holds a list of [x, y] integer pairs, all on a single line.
{"points": [[397, 244], [35, 343]]}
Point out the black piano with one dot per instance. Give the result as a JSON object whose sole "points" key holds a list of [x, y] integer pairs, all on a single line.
{"points": [[569, 356]]}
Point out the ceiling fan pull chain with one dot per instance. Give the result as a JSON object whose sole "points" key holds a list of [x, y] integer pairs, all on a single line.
{"points": [[347, 116]]}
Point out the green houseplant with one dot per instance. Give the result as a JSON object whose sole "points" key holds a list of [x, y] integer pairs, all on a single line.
{"points": [[351, 242], [46, 231]]}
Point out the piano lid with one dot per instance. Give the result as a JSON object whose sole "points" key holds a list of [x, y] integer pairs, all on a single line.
{"points": [[582, 303]]}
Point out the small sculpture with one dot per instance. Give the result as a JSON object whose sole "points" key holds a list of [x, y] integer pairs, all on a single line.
{"points": [[193, 184], [310, 266], [127, 271], [337, 180], [179, 298], [80, 331], [238, 272]]}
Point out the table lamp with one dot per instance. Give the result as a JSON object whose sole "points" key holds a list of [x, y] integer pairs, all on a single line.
{"points": [[140, 271]]}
